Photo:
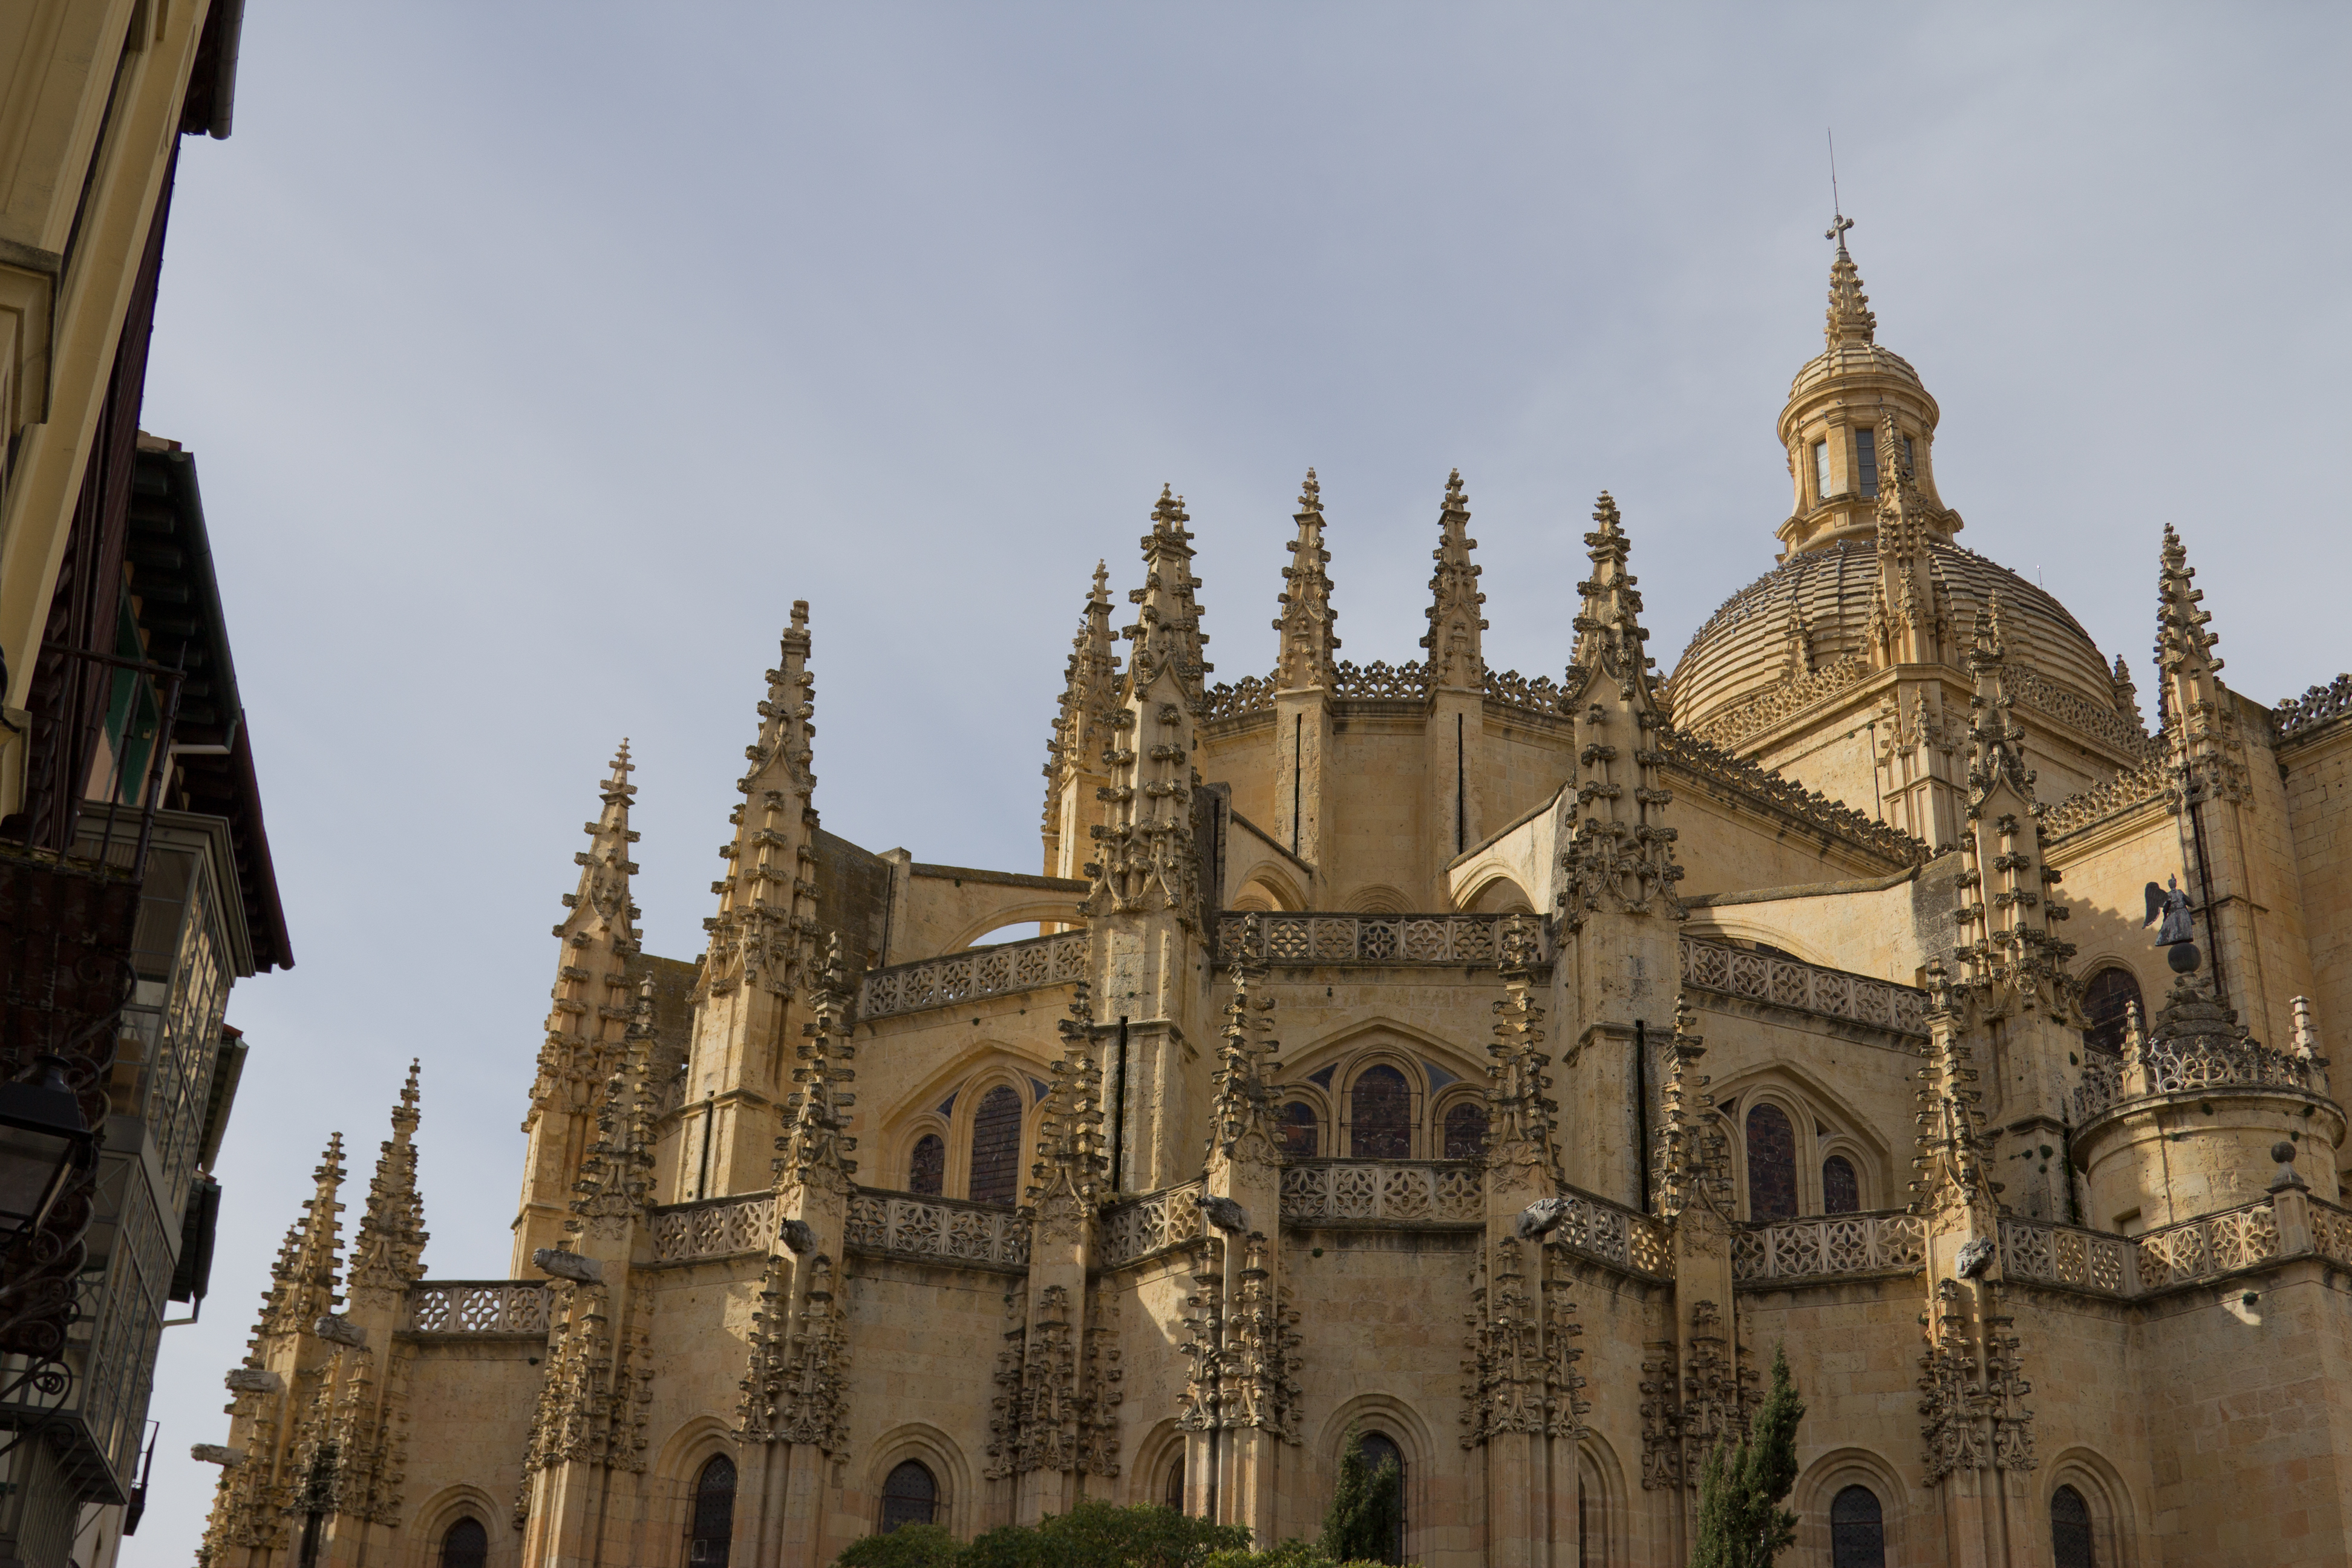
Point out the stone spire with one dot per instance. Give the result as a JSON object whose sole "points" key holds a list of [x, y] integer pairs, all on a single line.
{"points": [[1071, 1167], [1456, 651], [1306, 656], [815, 1146], [2184, 649], [1619, 853], [1089, 689], [1522, 1118], [1167, 633], [760, 937], [2003, 924], [1850, 318], [587, 1015], [1953, 1160], [388, 1253], [302, 1280], [1693, 1165], [1241, 1116]]}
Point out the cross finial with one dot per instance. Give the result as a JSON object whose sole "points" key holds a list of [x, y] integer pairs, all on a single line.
{"points": [[1836, 231]]}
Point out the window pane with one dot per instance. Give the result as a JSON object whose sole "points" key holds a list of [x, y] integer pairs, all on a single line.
{"points": [[927, 1172], [1821, 469], [1840, 1192], [1380, 1449], [1908, 461], [1299, 1131], [909, 1497], [1380, 1113], [2105, 1002], [996, 1146], [1466, 1131], [714, 1514], [1176, 1486], [1857, 1529], [1865, 452], [467, 1545], [2070, 1529], [1772, 1163]]}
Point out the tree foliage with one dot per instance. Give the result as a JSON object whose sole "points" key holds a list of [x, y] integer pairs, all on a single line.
{"points": [[1367, 1509], [1741, 1523], [1095, 1534]]}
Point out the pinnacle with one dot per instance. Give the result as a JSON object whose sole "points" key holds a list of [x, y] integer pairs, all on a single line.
{"points": [[1850, 317], [404, 1114], [1310, 497]]}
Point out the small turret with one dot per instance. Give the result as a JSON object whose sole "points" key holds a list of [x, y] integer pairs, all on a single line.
{"points": [[1309, 648], [1457, 649]]}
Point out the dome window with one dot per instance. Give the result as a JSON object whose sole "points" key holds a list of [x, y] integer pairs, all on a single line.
{"points": [[1866, 454], [1821, 470]]}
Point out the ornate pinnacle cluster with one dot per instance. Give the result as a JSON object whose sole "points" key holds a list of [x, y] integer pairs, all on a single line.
{"points": [[601, 909], [1998, 756], [1089, 688], [1954, 1156], [302, 1280], [599, 935], [617, 1177], [1241, 1118], [1167, 632], [1850, 318], [1522, 1118], [1070, 1161], [388, 1253], [1694, 1163], [766, 924], [1456, 651], [1609, 634], [2184, 649], [1307, 656], [815, 1146]]}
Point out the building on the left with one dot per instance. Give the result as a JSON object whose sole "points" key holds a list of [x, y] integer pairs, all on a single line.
{"points": [[135, 878]]}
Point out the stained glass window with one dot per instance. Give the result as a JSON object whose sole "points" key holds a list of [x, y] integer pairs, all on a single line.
{"points": [[1841, 1189], [467, 1544], [1466, 1131], [1380, 1115], [2070, 1529], [2106, 1000], [1857, 1529], [996, 1146], [910, 1496], [1299, 1131], [714, 1514], [927, 1172], [1772, 1163]]}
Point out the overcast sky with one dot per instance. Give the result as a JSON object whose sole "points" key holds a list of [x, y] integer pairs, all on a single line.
{"points": [[535, 358]]}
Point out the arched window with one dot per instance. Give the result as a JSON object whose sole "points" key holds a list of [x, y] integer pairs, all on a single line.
{"points": [[1466, 1131], [1380, 1115], [1857, 1529], [714, 1514], [996, 1146], [2070, 1529], [910, 1496], [1378, 1450], [1771, 1163], [927, 1172], [1297, 1128], [466, 1544], [1176, 1484], [1841, 1188], [2106, 998]]}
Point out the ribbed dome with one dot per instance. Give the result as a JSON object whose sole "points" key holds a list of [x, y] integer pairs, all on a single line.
{"points": [[1742, 650], [1853, 362]]}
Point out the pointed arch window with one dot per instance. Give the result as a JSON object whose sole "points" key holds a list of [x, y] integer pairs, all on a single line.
{"points": [[2070, 1529], [466, 1544], [926, 1168], [1466, 1131], [1299, 1129], [909, 1496], [2107, 1000], [996, 1146], [1380, 1115], [1857, 1529], [1841, 1188], [714, 1514], [1771, 1163]]}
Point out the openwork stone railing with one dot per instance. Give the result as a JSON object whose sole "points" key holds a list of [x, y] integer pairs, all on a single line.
{"points": [[716, 1228], [1536, 694], [2191, 1064], [1313, 939], [1145, 1226], [2331, 1231], [1807, 987], [2062, 1255], [983, 971], [1410, 680], [939, 1228], [2215, 1244], [477, 1307], [1424, 1192], [1250, 694], [1614, 1235], [2073, 709], [2314, 708], [2120, 793], [1779, 703], [1829, 1243]]}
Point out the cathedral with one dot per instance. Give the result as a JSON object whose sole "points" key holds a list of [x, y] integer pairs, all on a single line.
{"points": [[1896, 980]]}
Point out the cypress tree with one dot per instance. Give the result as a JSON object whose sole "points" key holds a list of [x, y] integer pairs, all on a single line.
{"points": [[1367, 1507], [1741, 1523]]}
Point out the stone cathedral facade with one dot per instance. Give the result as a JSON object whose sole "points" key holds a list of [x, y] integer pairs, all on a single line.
{"points": [[1499, 1068]]}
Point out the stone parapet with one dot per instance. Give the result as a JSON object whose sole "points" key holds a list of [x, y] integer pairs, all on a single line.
{"points": [[1883, 1242], [999, 971], [1804, 987], [1306, 941], [477, 1307], [715, 1227], [938, 1230], [1155, 1222]]}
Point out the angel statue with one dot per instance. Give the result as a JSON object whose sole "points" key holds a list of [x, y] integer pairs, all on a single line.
{"points": [[2173, 906]]}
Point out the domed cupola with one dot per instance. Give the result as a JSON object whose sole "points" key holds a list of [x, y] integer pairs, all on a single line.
{"points": [[1832, 426]]}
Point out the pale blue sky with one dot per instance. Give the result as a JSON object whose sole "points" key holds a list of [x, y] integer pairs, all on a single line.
{"points": [[537, 357]]}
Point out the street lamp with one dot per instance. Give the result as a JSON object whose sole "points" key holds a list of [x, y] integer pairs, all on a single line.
{"points": [[43, 1141]]}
